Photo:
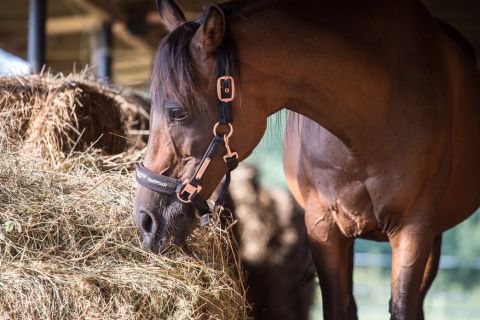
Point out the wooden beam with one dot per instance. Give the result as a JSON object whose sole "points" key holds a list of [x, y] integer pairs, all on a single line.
{"points": [[93, 9], [154, 18], [141, 61], [72, 24], [120, 30], [139, 79]]}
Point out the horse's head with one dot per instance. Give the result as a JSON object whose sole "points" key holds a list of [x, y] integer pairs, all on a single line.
{"points": [[185, 110]]}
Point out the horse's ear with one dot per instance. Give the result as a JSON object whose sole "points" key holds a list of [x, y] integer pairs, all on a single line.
{"points": [[170, 13], [213, 29]]}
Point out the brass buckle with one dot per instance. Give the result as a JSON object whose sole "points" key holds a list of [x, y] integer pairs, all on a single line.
{"points": [[226, 94], [189, 189]]}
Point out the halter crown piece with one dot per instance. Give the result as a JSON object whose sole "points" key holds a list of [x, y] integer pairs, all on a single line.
{"points": [[189, 190]]}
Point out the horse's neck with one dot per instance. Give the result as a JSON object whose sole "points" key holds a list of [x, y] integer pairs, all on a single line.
{"points": [[316, 65]]}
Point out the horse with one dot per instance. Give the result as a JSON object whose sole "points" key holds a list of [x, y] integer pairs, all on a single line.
{"points": [[332, 223], [400, 95]]}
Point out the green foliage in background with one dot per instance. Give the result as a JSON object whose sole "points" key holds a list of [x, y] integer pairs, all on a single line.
{"points": [[267, 156]]}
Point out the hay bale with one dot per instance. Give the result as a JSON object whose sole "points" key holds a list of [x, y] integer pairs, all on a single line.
{"points": [[47, 114], [69, 250]]}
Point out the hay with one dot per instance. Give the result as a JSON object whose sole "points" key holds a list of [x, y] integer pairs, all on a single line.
{"points": [[69, 249], [68, 244], [56, 116]]}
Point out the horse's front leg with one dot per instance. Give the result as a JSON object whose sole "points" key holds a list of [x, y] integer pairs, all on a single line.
{"points": [[429, 274], [411, 248], [333, 256]]}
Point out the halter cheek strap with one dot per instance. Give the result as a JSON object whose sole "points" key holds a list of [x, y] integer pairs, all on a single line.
{"points": [[189, 191]]}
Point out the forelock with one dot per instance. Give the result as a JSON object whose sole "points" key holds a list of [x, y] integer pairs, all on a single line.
{"points": [[174, 73]]}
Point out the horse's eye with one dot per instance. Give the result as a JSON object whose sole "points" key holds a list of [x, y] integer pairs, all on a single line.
{"points": [[178, 114]]}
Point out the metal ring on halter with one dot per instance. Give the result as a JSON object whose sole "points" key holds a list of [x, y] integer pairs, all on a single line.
{"points": [[227, 135]]}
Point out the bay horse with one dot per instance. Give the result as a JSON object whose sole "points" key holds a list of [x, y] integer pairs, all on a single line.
{"points": [[390, 154]]}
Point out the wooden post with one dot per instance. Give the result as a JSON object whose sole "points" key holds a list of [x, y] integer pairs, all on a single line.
{"points": [[103, 52], [36, 34]]}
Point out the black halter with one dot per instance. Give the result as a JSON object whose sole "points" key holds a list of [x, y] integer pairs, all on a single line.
{"points": [[189, 190]]}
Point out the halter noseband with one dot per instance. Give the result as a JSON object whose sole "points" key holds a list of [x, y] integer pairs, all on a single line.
{"points": [[189, 190]]}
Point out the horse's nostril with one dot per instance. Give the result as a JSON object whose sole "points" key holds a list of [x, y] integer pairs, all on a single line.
{"points": [[147, 223]]}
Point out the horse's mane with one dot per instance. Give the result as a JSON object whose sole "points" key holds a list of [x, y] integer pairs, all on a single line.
{"points": [[174, 74]]}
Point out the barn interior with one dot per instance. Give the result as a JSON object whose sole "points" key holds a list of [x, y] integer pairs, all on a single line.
{"points": [[76, 31]]}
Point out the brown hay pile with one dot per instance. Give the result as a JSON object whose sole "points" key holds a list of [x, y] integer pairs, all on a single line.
{"points": [[47, 114], [68, 244]]}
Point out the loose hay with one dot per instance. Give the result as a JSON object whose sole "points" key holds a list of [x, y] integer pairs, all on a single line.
{"points": [[68, 244], [69, 250]]}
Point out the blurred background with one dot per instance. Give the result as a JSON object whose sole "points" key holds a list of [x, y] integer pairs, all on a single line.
{"points": [[116, 41]]}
